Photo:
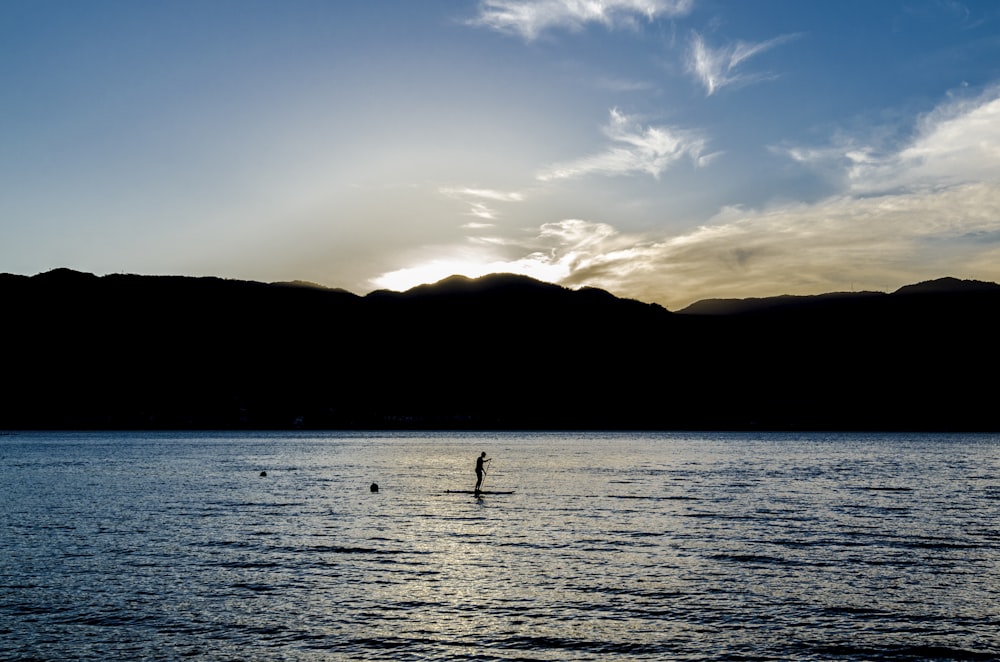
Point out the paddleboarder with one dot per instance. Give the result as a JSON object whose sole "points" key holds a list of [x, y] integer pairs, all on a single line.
{"points": [[481, 461]]}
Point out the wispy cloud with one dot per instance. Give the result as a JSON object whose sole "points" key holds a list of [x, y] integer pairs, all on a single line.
{"points": [[487, 194], [956, 143], [716, 68], [478, 200], [636, 149], [530, 18]]}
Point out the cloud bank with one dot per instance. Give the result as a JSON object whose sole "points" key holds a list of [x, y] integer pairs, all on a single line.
{"points": [[928, 208]]}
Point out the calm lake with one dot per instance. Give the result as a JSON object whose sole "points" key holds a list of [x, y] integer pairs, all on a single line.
{"points": [[625, 546]]}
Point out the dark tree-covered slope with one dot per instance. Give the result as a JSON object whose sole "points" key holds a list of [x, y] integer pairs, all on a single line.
{"points": [[502, 351]]}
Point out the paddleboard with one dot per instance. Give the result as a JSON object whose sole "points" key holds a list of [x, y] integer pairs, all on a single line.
{"points": [[484, 492]]}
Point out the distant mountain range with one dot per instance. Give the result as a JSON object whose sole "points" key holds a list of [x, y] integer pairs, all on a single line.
{"points": [[736, 306], [502, 351]]}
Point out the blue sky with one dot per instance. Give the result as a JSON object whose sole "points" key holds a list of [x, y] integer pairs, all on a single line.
{"points": [[666, 150]]}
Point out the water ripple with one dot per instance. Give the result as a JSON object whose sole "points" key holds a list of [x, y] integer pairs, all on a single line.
{"points": [[609, 547]]}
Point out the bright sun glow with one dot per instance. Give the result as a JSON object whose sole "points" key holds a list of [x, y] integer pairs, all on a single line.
{"points": [[435, 270]]}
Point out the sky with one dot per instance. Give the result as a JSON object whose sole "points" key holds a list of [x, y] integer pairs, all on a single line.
{"points": [[663, 150]]}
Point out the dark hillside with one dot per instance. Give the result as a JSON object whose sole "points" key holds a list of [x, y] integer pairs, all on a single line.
{"points": [[914, 359], [756, 305], [496, 352]]}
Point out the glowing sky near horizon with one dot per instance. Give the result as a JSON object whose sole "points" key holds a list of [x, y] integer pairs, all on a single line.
{"points": [[664, 150]]}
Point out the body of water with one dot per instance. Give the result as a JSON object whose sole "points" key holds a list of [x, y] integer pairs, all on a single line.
{"points": [[611, 546]]}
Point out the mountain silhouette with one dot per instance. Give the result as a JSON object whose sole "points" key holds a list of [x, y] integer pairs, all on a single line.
{"points": [[501, 351], [947, 285]]}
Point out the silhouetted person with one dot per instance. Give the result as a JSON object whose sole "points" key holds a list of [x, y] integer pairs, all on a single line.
{"points": [[374, 487], [480, 469]]}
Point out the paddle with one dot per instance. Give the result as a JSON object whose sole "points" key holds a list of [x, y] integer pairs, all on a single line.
{"points": [[486, 470]]}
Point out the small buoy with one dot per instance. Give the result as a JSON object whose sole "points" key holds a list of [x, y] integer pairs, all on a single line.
{"points": [[374, 487], [263, 474]]}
